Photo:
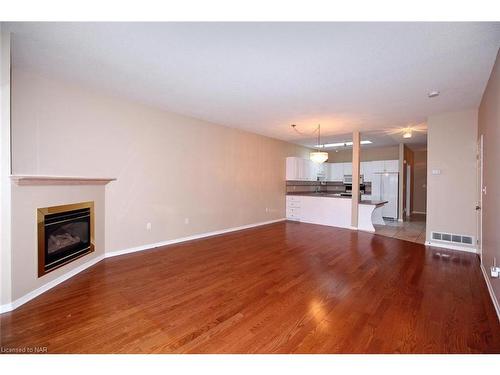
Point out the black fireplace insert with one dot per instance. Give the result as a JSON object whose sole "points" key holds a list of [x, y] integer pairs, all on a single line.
{"points": [[64, 236]]}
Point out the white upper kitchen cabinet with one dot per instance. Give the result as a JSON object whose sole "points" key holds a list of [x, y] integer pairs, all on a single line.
{"points": [[366, 169], [347, 167], [295, 169], [299, 169], [335, 172], [291, 169], [322, 170], [312, 170]]}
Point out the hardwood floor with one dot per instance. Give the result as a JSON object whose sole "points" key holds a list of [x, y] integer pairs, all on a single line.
{"points": [[281, 288]]}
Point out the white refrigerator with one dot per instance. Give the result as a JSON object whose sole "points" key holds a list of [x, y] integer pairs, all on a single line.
{"points": [[385, 188]]}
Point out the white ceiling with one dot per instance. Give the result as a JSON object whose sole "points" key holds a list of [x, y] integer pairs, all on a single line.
{"points": [[380, 138], [262, 77]]}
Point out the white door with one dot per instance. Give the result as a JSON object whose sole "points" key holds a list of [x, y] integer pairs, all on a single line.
{"points": [[479, 206]]}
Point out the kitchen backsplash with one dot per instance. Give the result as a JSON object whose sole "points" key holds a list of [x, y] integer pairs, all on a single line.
{"points": [[312, 186]]}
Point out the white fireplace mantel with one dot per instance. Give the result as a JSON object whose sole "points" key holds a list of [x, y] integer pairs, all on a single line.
{"points": [[59, 180]]}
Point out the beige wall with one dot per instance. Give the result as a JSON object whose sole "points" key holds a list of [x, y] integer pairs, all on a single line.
{"points": [[5, 186], [420, 181], [451, 195], [366, 154], [169, 167], [489, 127]]}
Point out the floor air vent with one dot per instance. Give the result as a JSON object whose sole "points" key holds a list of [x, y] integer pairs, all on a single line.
{"points": [[453, 238]]}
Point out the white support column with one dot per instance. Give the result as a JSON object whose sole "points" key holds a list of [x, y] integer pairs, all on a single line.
{"points": [[355, 178], [5, 171], [400, 181]]}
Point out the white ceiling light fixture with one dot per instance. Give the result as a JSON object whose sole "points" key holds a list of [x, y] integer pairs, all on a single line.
{"points": [[319, 156], [316, 156], [433, 93], [407, 133]]}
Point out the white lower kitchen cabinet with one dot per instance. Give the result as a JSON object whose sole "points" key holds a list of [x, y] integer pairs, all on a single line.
{"points": [[326, 211], [333, 211], [293, 204]]}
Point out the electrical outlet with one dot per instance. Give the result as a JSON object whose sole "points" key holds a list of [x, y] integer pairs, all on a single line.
{"points": [[148, 226], [495, 272], [186, 220]]}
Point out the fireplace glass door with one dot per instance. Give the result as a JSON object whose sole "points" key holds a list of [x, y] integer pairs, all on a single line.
{"points": [[65, 236]]}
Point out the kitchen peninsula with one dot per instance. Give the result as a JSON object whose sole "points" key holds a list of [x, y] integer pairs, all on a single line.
{"points": [[321, 193], [333, 209]]}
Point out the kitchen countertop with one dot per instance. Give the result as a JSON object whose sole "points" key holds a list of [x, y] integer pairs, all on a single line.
{"points": [[337, 195]]}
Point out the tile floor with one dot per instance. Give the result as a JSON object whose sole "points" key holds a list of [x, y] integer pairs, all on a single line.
{"points": [[412, 229]]}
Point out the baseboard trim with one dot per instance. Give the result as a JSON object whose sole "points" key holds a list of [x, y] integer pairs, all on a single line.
{"points": [[451, 247], [490, 290], [51, 284], [188, 238], [419, 212], [35, 293]]}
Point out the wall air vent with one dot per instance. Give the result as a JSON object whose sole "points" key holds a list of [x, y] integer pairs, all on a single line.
{"points": [[454, 238], [436, 236]]}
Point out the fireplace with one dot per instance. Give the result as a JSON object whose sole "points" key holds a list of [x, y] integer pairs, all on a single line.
{"points": [[65, 233]]}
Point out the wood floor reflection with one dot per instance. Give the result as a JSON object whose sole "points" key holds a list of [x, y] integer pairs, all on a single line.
{"points": [[281, 288]]}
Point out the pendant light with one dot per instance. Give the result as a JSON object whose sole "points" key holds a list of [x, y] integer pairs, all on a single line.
{"points": [[319, 156], [407, 133]]}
